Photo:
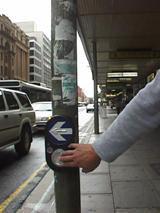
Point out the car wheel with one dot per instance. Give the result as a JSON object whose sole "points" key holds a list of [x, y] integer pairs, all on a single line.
{"points": [[23, 147]]}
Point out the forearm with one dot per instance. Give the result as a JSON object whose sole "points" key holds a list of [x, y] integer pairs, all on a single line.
{"points": [[141, 115]]}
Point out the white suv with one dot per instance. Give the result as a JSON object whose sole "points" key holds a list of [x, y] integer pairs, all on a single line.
{"points": [[17, 118]]}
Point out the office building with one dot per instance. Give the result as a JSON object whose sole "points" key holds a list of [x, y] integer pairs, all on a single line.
{"points": [[41, 40]]}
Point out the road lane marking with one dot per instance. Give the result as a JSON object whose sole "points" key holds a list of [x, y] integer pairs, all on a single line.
{"points": [[12, 196], [38, 207]]}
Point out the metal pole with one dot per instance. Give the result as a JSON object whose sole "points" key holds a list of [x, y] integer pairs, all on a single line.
{"points": [[96, 113], [64, 95]]}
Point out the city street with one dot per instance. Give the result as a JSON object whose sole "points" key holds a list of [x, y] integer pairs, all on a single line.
{"points": [[15, 172]]}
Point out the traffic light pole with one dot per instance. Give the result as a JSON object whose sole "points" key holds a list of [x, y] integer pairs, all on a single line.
{"points": [[64, 95]]}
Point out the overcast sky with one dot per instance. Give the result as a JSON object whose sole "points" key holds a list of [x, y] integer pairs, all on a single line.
{"points": [[39, 11]]}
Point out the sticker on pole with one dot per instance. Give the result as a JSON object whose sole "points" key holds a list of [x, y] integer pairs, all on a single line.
{"points": [[60, 130]]}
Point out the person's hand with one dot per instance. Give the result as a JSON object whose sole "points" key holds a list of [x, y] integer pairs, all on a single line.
{"points": [[80, 155]]}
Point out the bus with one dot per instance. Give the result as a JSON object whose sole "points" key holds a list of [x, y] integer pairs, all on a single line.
{"points": [[34, 92]]}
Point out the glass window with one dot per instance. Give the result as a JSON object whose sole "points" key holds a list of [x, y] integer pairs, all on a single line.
{"points": [[31, 60], [31, 69], [23, 100], [31, 52], [2, 105], [11, 101], [42, 106], [31, 44], [31, 77]]}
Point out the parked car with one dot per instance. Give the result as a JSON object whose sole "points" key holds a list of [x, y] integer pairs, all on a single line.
{"points": [[90, 107], [17, 118], [43, 110]]}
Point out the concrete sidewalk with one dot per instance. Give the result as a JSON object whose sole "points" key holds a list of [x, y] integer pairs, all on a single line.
{"points": [[131, 184]]}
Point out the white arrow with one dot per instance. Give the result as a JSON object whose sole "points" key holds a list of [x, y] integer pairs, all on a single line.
{"points": [[57, 131]]}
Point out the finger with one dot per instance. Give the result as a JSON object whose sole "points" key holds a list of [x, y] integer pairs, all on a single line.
{"points": [[73, 145], [66, 158], [67, 152]]}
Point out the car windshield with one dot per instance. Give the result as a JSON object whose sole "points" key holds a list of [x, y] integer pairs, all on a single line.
{"points": [[90, 105], [42, 106]]}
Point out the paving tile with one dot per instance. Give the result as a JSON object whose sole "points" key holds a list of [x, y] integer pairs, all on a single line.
{"points": [[139, 210], [93, 138], [105, 123], [149, 141], [97, 203], [157, 185], [102, 168], [95, 183], [150, 172], [135, 194], [156, 167], [122, 173], [143, 144], [127, 158], [147, 156]]}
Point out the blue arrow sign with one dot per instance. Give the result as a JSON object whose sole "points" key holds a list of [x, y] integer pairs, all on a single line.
{"points": [[60, 130]]}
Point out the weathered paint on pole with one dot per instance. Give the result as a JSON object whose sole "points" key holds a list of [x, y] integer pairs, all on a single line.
{"points": [[65, 56], [64, 96]]}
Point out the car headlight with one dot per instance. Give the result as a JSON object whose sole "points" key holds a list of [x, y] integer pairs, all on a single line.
{"points": [[49, 117], [46, 118]]}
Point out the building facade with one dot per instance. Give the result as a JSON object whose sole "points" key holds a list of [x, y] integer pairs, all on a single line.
{"points": [[14, 51], [35, 61], [45, 45], [81, 95]]}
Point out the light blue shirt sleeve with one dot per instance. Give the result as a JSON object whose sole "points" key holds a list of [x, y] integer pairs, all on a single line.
{"points": [[139, 117]]}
